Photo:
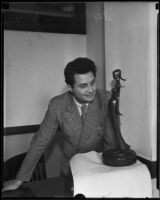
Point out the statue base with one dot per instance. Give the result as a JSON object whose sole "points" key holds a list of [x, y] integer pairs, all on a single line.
{"points": [[118, 157]]}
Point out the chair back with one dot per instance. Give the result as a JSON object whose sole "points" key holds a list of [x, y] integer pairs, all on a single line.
{"points": [[12, 165]]}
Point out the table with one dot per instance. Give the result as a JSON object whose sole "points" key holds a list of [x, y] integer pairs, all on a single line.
{"points": [[95, 180], [52, 187], [92, 179]]}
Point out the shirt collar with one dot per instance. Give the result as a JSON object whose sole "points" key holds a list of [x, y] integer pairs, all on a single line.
{"points": [[79, 104]]}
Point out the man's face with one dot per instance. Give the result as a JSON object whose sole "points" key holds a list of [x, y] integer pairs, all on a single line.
{"points": [[84, 87]]}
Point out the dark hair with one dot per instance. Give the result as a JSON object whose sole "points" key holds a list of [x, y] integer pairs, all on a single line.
{"points": [[78, 66]]}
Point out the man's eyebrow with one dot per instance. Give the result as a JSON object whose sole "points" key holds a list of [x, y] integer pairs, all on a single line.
{"points": [[93, 80], [87, 83]]}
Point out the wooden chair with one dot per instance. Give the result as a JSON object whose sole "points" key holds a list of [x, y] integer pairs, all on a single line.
{"points": [[12, 165]]}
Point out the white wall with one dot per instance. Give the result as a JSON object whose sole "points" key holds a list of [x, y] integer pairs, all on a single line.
{"points": [[33, 72], [131, 45], [15, 144]]}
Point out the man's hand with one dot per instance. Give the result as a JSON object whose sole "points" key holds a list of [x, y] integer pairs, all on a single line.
{"points": [[12, 185]]}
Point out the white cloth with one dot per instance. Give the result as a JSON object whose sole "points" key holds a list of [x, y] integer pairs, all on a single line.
{"points": [[94, 179]]}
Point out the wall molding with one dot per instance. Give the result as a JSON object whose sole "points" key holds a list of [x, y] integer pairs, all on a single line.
{"points": [[18, 130]]}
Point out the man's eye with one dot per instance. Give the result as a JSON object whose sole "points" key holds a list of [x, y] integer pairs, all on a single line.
{"points": [[92, 83], [82, 86]]}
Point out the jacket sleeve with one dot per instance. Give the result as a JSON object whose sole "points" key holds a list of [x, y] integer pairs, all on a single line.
{"points": [[39, 142], [109, 135]]}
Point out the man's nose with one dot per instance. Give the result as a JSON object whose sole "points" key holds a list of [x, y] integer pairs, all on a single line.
{"points": [[90, 89]]}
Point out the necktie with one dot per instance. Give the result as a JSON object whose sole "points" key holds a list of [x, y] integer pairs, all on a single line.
{"points": [[84, 111]]}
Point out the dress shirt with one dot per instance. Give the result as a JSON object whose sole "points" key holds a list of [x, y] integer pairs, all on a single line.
{"points": [[79, 105]]}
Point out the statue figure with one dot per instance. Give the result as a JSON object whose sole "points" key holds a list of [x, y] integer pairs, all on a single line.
{"points": [[122, 155]]}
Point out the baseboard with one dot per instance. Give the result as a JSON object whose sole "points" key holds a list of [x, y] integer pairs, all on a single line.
{"points": [[152, 166]]}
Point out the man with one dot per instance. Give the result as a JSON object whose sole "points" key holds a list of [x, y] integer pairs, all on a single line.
{"points": [[83, 131]]}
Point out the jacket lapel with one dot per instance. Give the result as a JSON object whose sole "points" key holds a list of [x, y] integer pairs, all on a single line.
{"points": [[72, 115], [94, 115]]}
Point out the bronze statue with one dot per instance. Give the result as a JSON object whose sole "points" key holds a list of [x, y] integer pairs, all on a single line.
{"points": [[122, 155]]}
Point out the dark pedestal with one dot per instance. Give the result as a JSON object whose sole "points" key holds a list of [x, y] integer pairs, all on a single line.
{"points": [[118, 157]]}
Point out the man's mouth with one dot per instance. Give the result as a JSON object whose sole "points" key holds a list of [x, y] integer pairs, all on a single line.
{"points": [[89, 95]]}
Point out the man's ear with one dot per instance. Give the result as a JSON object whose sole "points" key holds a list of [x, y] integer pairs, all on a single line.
{"points": [[69, 88]]}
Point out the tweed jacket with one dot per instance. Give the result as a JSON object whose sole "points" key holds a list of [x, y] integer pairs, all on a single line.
{"points": [[78, 137]]}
